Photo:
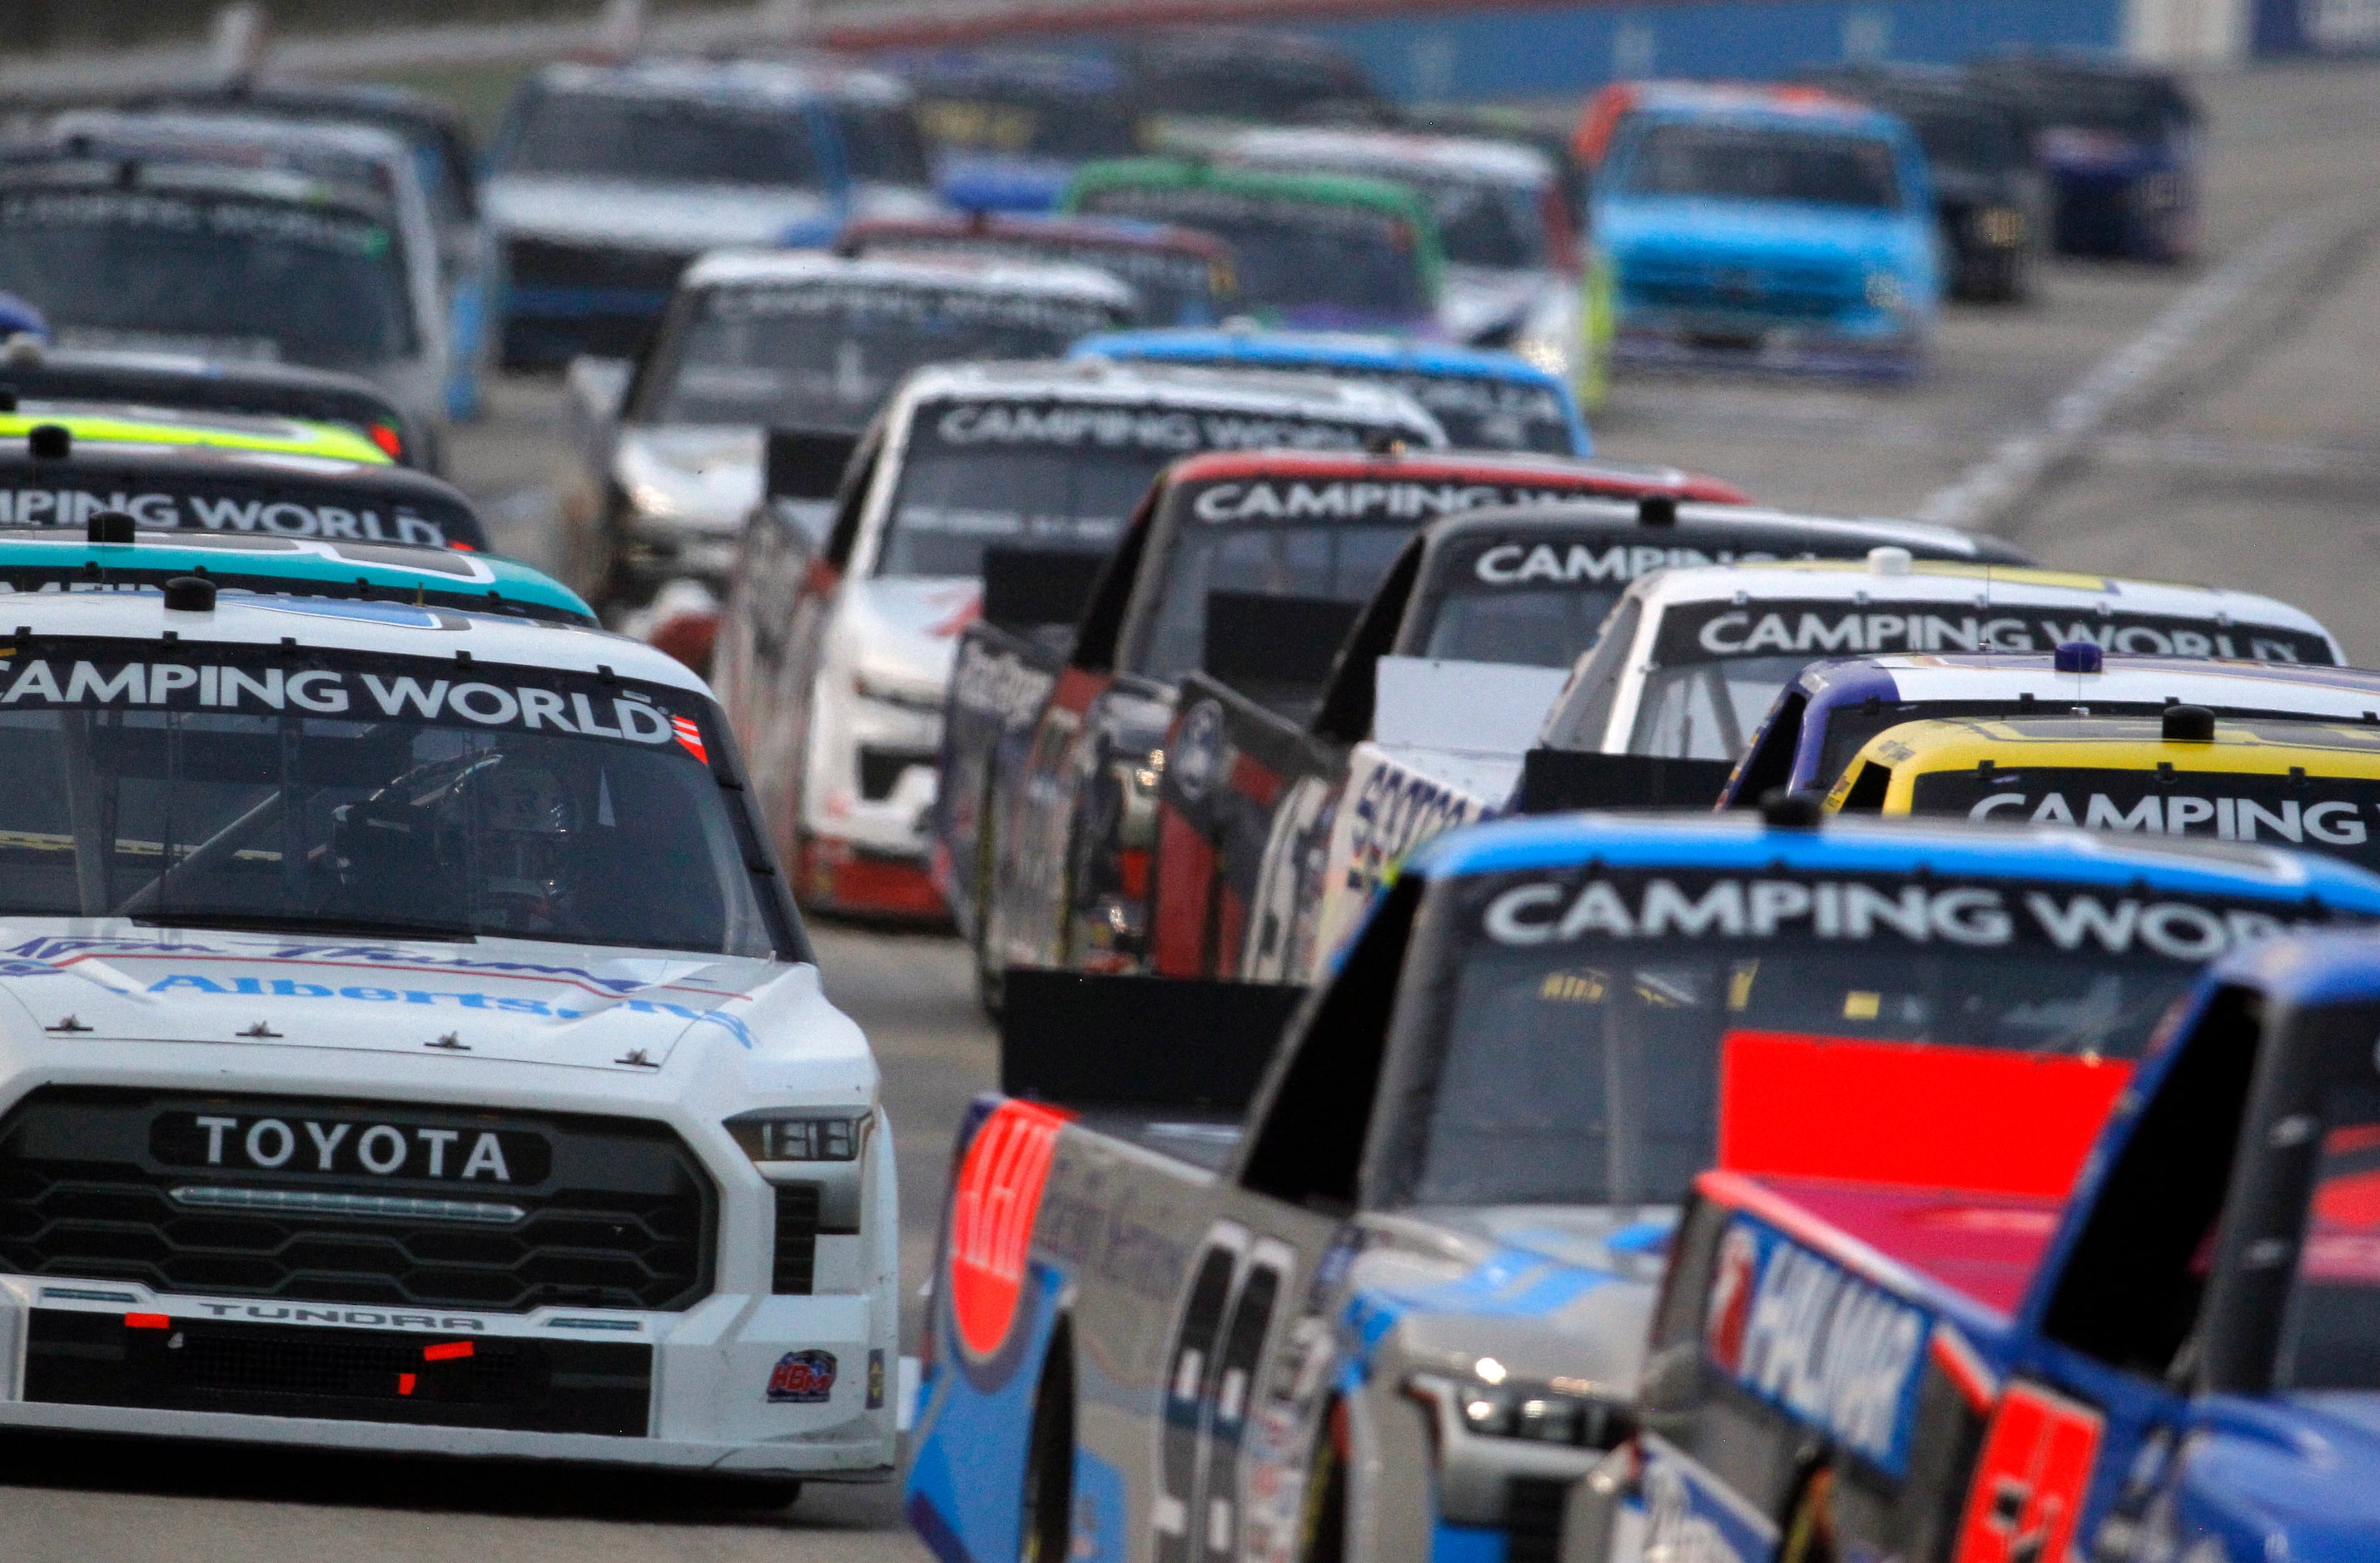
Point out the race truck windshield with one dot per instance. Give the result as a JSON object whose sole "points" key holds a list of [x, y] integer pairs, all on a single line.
{"points": [[1019, 122], [135, 267], [1480, 414], [1051, 475], [1536, 603], [1292, 255], [1584, 1042], [2336, 816], [1338, 562], [664, 141], [826, 357], [1742, 163], [1483, 223], [1174, 285], [348, 794], [1979, 144], [1718, 666]]}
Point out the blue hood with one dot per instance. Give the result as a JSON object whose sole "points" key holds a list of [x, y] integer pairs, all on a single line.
{"points": [[1738, 231], [994, 182]]}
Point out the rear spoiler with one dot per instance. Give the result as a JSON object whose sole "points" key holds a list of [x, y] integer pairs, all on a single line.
{"points": [[1556, 779], [807, 464], [1030, 588], [1165, 1044]]}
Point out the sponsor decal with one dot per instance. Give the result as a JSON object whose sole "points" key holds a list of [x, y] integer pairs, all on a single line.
{"points": [[1705, 632], [1395, 811], [1976, 915], [1197, 754], [804, 1378], [1577, 563], [998, 684], [993, 1204], [2031, 1479], [39, 953], [307, 226], [2296, 810], [253, 686], [877, 302], [875, 1378], [275, 1314], [1690, 1520], [283, 987], [161, 510], [690, 737], [1161, 430], [348, 1146], [1360, 499], [1817, 1342]]}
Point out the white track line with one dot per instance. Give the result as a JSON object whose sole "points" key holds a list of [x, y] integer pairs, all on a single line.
{"points": [[1988, 490]]}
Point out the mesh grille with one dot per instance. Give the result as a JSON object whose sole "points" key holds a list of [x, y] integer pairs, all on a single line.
{"points": [[797, 1226], [621, 1215]]}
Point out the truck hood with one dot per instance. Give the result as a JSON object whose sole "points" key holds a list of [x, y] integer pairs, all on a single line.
{"points": [[1549, 1291], [497, 1000], [1729, 232], [679, 219], [703, 477], [1480, 301], [908, 627]]}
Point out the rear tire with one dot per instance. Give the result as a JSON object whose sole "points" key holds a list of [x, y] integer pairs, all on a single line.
{"points": [[1045, 1531]]}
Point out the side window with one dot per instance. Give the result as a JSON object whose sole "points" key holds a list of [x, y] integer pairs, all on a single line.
{"points": [[851, 503], [2132, 1289], [1345, 715], [1865, 795], [1583, 711], [1102, 622], [1308, 1148]]}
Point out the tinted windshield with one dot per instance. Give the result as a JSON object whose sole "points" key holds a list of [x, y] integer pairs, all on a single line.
{"points": [[1718, 667], [1587, 1040], [1313, 259], [1020, 121], [1050, 475], [1540, 626], [1173, 286], [825, 356], [139, 268], [880, 144], [1325, 560], [342, 793], [1483, 222], [1741, 162], [1981, 144], [664, 141], [2331, 815]]}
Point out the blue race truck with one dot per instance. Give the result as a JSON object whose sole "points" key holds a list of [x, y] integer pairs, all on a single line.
{"points": [[1772, 228], [2180, 1359]]}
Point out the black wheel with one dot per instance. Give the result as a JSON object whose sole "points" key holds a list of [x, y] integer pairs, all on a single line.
{"points": [[1045, 1530], [1322, 1518]]}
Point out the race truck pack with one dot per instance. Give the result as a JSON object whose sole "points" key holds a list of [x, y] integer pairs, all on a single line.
{"points": [[1308, 250], [1272, 832], [2123, 145], [1926, 1358], [1831, 707], [410, 1046], [1007, 127], [1771, 228], [1178, 276], [1485, 401], [2307, 784], [1393, 1317], [835, 659], [1251, 569], [606, 181], [49, 481], [753, 340]]}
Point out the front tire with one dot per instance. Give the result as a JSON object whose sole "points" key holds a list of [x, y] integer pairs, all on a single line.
{"points": [[1045, 1530]]}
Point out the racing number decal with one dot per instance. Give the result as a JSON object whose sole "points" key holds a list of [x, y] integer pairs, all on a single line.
{"points": [[1187, 1377], [1210, 1383], [992, 1206], [2030, 1479]]}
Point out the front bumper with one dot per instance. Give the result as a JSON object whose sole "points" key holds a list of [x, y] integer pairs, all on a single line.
{"points": [[1683, 339], [706, 1389]]}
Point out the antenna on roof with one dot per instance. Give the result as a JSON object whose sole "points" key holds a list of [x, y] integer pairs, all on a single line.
{"points": [[236, 43]]}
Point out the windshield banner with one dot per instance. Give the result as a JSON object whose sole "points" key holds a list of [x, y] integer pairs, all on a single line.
{"points": [[1360, 498], [221, 511], [1704, 632], [918, 306], [1980, 915], [1056, 425]]}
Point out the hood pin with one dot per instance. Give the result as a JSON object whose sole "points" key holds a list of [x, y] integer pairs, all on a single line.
{"points": [[70, 1024], [259, 1030], [452, 1042], [636, 1059]]}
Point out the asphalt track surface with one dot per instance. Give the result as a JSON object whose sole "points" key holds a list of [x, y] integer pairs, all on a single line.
{"points": [[2251, 460]]}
